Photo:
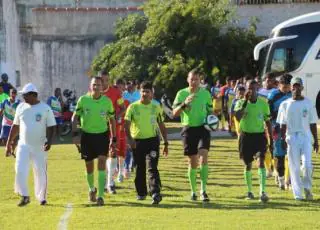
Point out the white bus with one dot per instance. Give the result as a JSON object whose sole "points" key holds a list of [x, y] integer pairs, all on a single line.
{"points": [[294, 47]]}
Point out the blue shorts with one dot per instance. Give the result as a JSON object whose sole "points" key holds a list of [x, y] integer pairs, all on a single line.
{"points": [[278, 151], [59, 120], [5, 130]]}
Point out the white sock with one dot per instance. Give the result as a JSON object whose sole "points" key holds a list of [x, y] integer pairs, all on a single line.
{"points": [[111, 165], [109, 173], [121, 166]]}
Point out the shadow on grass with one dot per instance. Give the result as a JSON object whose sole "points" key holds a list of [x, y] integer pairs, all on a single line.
{"points": [[216, 206], [176, 201]]}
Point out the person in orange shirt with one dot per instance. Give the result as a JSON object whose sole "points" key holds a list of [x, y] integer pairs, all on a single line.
{"points": [[115, 96]]}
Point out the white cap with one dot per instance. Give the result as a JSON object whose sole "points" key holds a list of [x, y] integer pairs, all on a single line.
{"points": [[28, 88]]}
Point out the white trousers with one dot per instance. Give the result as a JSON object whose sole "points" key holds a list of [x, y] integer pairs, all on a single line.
{"points": [[38, 157], [300, 160]]}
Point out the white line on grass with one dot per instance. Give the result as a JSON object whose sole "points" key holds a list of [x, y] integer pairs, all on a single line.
{"points": [[63, 223]]}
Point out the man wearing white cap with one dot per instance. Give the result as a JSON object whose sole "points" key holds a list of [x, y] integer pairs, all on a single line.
{"points": [[298, 119], [34, 122]]}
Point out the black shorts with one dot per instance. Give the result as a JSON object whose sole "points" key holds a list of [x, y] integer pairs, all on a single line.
{"points": [[252, 145], [94, 145], [195, 138]]}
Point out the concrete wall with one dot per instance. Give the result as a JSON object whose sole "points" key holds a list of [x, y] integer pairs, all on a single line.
{"points": [[272, 14], [75, 22], [58, 63], [53, 48], [24, 7], [2, 38], [12, 40], [98, 3]]}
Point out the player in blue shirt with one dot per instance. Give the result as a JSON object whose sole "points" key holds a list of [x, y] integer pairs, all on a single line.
{"points": [[275, 98]]}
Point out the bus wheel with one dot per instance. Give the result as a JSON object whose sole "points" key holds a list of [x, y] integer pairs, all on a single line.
{"points": [[318, 105]]}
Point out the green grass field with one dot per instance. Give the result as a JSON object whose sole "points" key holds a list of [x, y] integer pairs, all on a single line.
{"points": [[227, 210]]}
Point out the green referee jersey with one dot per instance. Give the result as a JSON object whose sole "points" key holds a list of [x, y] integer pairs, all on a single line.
{"points": [[195, 114], [94, 113], [144, 119], [255, 114]]}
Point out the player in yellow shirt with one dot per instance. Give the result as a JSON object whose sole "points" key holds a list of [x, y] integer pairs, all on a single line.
{"points": [[142, 120]]}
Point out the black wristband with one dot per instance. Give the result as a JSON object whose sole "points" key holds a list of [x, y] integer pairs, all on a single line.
{"points": [[166, 143], [114, 139]]}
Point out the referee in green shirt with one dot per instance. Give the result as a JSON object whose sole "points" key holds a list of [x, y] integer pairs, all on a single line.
{"points": [[193, 104], [253, 114], [142, 120], [96, 114]]}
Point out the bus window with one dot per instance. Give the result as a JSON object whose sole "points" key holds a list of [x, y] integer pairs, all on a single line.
{"points": [[287, 56], [278, 62]]}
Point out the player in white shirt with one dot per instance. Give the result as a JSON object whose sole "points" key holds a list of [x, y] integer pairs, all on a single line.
{"points": [[298, 119], [34, 122]]}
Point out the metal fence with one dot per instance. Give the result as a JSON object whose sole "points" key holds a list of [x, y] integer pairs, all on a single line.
{"points": [[261, 2]]}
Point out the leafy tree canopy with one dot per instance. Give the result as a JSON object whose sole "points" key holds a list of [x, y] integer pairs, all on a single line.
{"points": [[174, 36]]}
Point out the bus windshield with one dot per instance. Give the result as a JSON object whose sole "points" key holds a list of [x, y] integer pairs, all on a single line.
{"points": [[288, 55]]}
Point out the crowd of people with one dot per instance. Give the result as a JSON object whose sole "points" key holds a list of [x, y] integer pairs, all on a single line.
{"points": [[121, 125]]}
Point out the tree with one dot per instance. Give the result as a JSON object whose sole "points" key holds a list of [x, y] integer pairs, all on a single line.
{"points": [[174, 36]]}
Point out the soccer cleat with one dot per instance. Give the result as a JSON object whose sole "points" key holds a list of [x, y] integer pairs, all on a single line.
{"points": [[250, 196], [24, 201], [100, 201], [263, 197], [282, 187], [141, 197], [43, 203], [92, 195], [308, 194], [112, 189], [269, 174], [194, 197], [156, 198], [120, 178], [281, 183], [288, 186], [204, 197]]}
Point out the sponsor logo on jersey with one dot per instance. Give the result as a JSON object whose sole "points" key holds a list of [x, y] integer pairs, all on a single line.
{"points": [[38, 117]]}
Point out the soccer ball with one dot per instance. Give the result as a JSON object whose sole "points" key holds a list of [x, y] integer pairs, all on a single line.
{"points": [[211, 122]]}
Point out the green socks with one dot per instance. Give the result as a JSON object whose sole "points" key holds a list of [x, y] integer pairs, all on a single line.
{"points": [[192, 174], [262, 179], [90, 180], [204, 177], [101, 182], [248, 179]]}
